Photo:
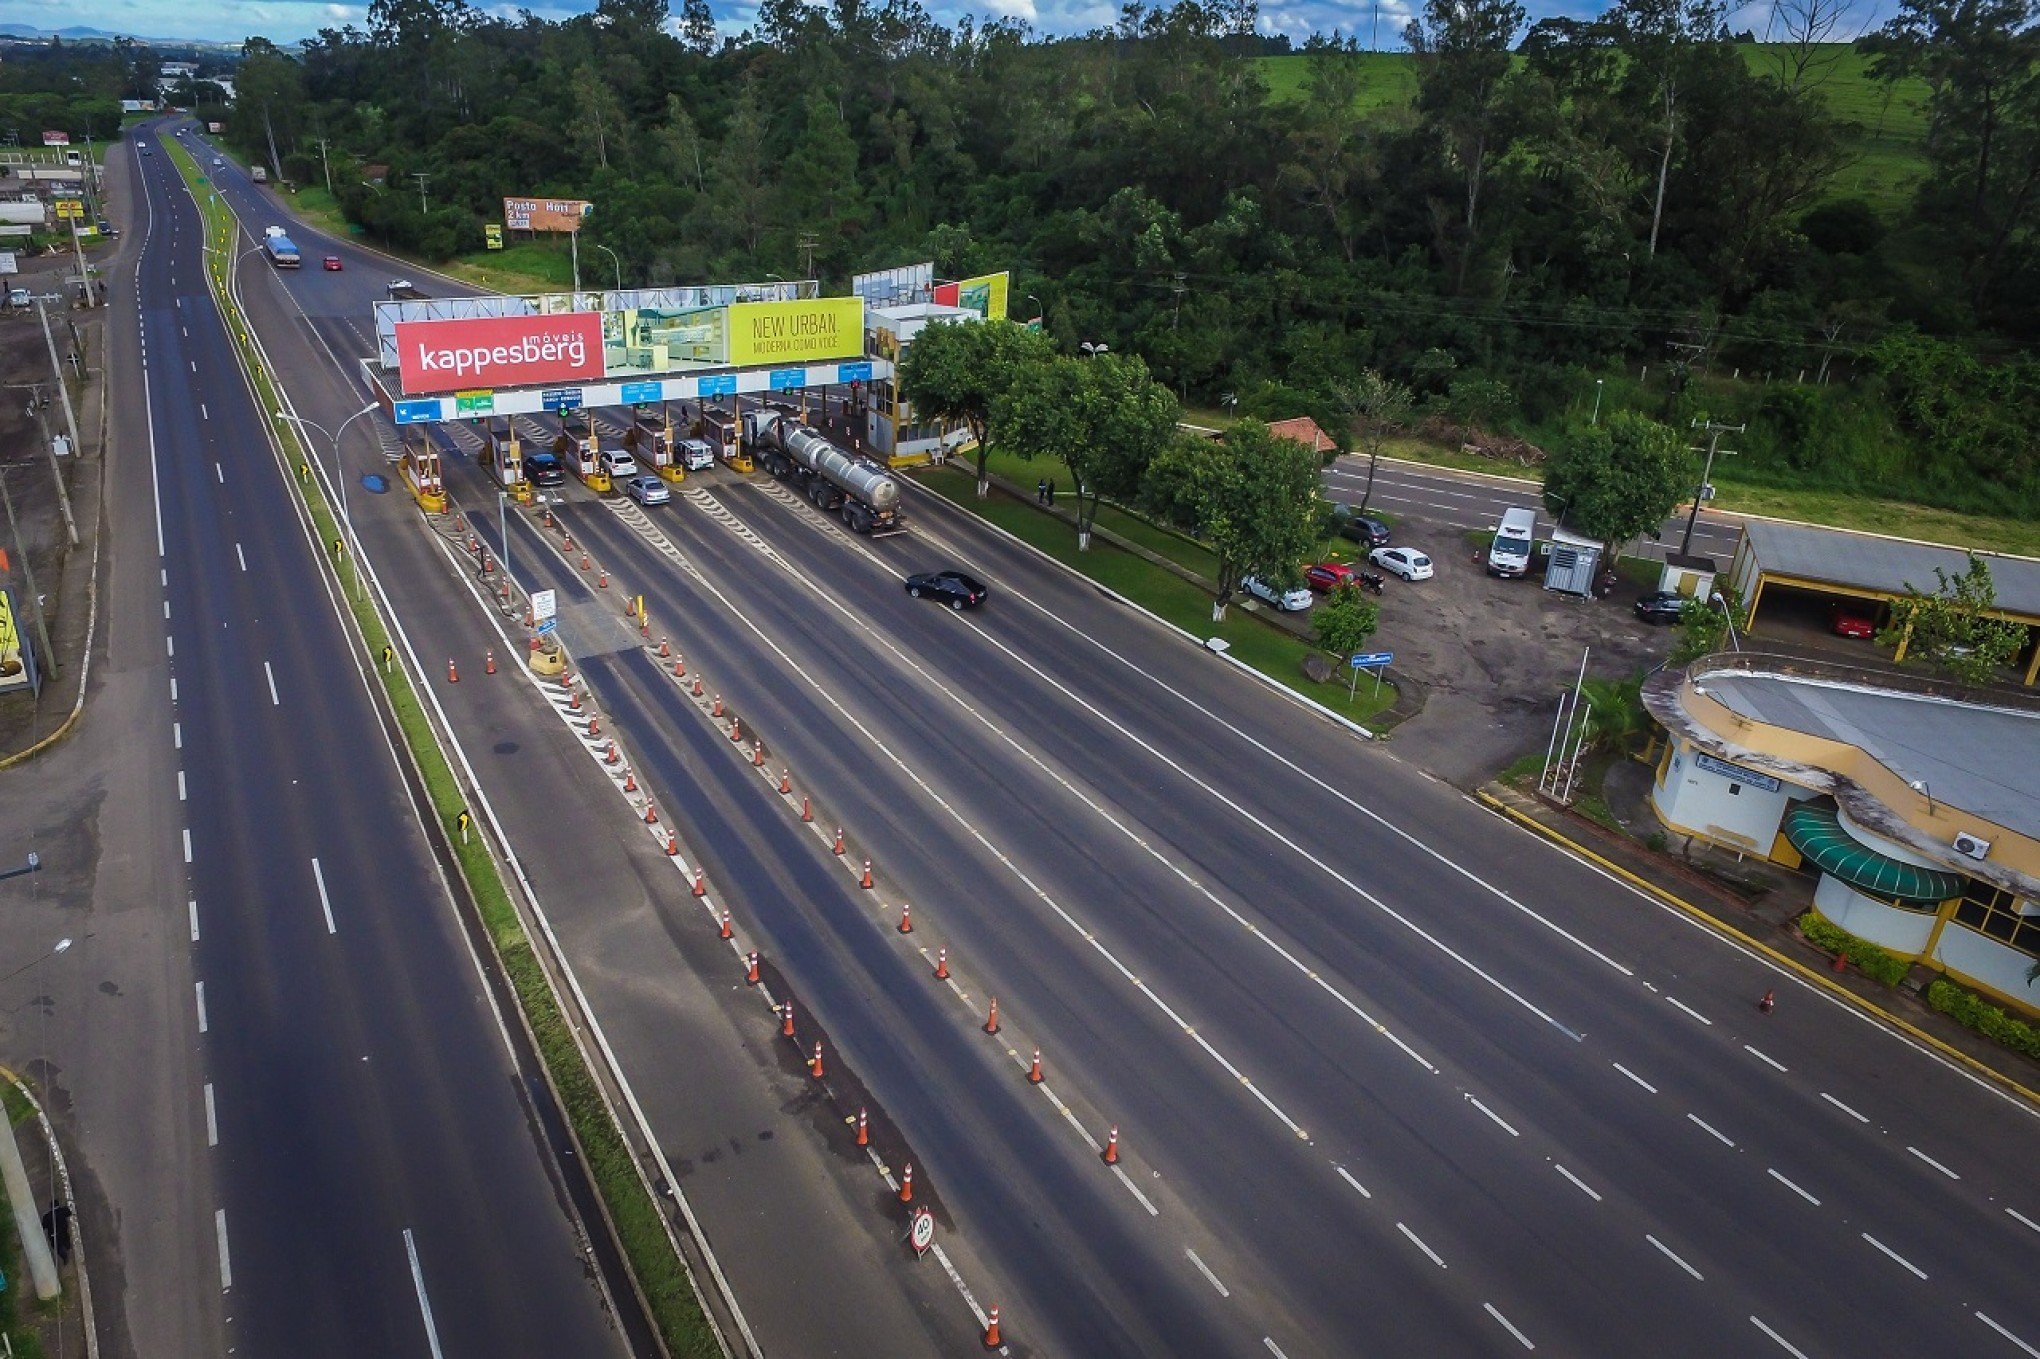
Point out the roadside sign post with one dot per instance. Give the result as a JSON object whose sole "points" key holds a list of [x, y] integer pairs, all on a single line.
{"points": [[922, 1233], [1377, 661]]}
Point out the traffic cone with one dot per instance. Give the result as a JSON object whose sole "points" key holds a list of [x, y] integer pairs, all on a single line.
{"points": [[992, 1021], [863, 1130], [548, 516], [839, 839], [651, 814], [697, 686], [629, 779], [700, 884], [587, 563], [570, 540], [679, 668], [786, 1020], [1034, 1072], [866, 880], [716, 710], [672, 845], [807, 813], [1112, 1148], [644, 627], [751, 971], [665, 648], [726, 926], [942, 964], [489, 667], [736, 729], [452, 674], [1770, 999], [907, 1183], [757, 754], [1841, 963], [906, 919], [573, 700], [474, 543], [612, 757], [814, 1065], [529, 621], [785, 781], [992, 1341], [602, 578], [594, 724]]}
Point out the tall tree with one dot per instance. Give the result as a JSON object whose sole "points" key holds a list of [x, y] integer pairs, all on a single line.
{"points": [[1103, 418], [1378, 408], [1619, 479], [1663, 38], [1463, 47], [739, 183], [1252, 497], [1957, 625], [956, 372]]}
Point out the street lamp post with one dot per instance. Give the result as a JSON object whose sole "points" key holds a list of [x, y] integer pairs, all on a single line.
{"points": [[1599, 383], [62, 946], [339, 476], [1092, 351], [613, 260]]}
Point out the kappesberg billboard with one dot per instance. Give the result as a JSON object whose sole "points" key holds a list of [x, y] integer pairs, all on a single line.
{"points": [[498, 351]]}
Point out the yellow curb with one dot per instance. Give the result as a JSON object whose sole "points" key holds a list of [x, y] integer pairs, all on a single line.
{"points": [[1809, 974], [59, 734]]}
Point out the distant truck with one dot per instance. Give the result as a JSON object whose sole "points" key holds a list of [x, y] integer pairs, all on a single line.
{"points": [[1509, 554], [282, 253], [258, 174]]}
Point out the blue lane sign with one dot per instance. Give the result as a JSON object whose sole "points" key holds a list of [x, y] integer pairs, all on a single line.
{"points": [[562, 399], [788, 379], [643, 393], [415, 412], [548, 627], [716, 386], [1363, 660], [853, 372]]}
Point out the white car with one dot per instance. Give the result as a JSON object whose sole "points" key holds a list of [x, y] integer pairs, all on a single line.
{"points": [[1289, 601], [618, 463], [1406, 562]]}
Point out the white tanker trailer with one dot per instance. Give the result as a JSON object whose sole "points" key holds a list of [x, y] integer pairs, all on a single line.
{"points": [[863, 492]]}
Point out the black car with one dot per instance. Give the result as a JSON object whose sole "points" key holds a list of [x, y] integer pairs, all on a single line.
{"points": [[545, 469], [1369, 533], [953, 588], [1662, 606]]}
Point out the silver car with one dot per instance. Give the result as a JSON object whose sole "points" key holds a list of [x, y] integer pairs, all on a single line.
{"points": [[647, 489]]}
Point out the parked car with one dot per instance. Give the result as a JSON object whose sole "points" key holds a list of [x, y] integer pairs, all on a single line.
{"points": [[1662, 606], [1328, 576], [1369, 533], [953, 588], [617, 462], [1852, 620], [1406, 562], [545, 469], [647, 489], [332, 264], [696, 455], [1289, 601]]}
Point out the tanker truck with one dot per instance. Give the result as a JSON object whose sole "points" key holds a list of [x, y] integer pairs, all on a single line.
{"points": [[862, 491]]}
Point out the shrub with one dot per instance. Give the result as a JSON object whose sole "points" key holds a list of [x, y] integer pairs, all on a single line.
{"points": [[1878, 964], [1972, 1011]]}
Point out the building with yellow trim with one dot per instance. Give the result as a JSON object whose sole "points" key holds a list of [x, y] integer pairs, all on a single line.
{"points": [[1915, 804]]}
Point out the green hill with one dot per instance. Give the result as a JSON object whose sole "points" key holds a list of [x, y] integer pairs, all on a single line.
{"points": [[1889, 122]]}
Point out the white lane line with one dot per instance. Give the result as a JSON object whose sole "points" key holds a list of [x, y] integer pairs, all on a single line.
{"points": [[1508, 1326], [241, 556], [192, 905], [203, 413], [173, 688], [271, 674], [1843, 1107], [969, 1298], [1578, 1183], [1783, 1343], [1917, 1271], [220, 1230], [1768, 1061], [1691, 1011], [220, 472], [212, 1118], [180, 785], [187, 844], [177, 735], [2008, 1335], [166, 608], [1793, 1187], [1932, 1162], [325, 902], [200, 987], [169, 645], [424, 1303], [2023, 1218], [1498, 1120], [1418, 1242], [1205, 1270], [1671, 1255], [1345, 1175], [1276, 1349], [1634, 1077], [194, 362], [1134, 1190], [1719, 1135]]}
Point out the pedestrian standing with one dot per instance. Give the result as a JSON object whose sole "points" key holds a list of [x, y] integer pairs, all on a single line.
{"points": [[1041, 491], [1051, 493]]}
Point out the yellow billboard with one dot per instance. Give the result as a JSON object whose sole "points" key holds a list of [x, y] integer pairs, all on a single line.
{"points": [[811, 330], [13, 671], [985, 295]]}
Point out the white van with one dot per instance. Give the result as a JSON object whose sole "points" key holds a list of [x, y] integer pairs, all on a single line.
{"points": [[1509, 554], [697, 455]]}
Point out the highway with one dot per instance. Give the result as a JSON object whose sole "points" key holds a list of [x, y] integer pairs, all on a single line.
{"points": [[1391, 1074], [385, 1184]]}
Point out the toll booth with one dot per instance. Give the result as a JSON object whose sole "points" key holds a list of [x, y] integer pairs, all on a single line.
{"points": [[419, 467], [650, 441], [578, 448], [721, 428], [503, 454]]}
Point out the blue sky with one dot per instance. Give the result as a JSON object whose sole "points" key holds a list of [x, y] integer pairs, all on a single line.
{"points": [[288, 20]]}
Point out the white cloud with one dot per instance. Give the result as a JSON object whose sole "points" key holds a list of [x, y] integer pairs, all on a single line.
{"points": [[1013, 9]]}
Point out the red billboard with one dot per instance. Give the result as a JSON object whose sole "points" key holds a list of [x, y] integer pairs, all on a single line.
{"points": [[499, 351]]}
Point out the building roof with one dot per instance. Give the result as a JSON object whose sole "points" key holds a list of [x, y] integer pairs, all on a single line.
{"points": [[1866, 561], [925, 311], [1305, 431]]}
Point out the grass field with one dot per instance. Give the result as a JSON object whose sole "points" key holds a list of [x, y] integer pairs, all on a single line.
{"points": [[1888, 122]]}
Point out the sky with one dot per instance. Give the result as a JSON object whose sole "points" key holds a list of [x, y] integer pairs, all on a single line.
{"points": [[286, 21]]}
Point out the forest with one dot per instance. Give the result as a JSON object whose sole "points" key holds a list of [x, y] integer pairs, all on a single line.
{"points": [[1516, 220]]}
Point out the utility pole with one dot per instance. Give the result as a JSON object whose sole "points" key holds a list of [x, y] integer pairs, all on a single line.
{"points": [[42, 630], [1715, 429], [1178, 288], [326, 163], [808, 242], [70, 422], [421, 176]]}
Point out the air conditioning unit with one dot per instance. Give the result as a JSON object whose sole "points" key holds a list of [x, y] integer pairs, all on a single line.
{"points": [[1975, 848]]}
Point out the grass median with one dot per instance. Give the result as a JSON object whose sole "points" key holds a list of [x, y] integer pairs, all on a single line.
{"points": [[638, 1219]]}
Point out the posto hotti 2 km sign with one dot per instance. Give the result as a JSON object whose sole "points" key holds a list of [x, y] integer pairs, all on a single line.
{"points": [[498, 351]]}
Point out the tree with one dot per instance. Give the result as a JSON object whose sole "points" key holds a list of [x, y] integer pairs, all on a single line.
{"points": [[1957, 627], [1463, 47], [1619, 479], [1251, 496], [1345, 619], [1103, 418], [1665, 39], [1704, 624], [739, 181], [697, 26], [818, 176], [1377, 408], [956, 371]]}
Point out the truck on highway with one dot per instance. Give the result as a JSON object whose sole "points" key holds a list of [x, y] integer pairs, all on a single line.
{"points": [[1509, 554], [258, 174], [281, 252], [862, 491]]}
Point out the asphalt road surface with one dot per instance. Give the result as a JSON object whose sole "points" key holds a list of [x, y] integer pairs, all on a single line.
{"points": [[384, 1187], [1389, 1073]]}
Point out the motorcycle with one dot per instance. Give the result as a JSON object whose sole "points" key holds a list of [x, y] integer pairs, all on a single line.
{"points": [[1371, 581]]}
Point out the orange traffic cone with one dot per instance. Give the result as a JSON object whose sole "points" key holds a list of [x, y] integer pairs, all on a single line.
{"points": [[726, 926], [1841, 963], [573, 700], [814, 1065], [1034, 1072], [942, 964], [452, 674], [716, 710], [839, 839], [786, 1020], [700, 884], [679, 668], [651, 814], [697, 686], [594, 725], [992, 1341], [629, 779], [865, 881], [785, 781], [807, 813], [602, 579], [736, 729], [489, 666], [906, 919], [863, 1130], [751, 971], [757, 754], [672, 845], [1112, 1148], [1770, 999], [907, 1184], [992, 1022], [665, 648]]}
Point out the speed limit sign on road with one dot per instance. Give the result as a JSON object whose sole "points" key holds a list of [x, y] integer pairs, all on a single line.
{"points": [[922, 1233]]}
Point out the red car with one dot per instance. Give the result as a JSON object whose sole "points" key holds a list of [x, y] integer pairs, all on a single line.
{"points": [[1326, 577], [333, 263], [1851, 620]]}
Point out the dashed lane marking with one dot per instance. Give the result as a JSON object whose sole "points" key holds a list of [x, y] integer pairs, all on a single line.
{"points": [[212, 1118], [1508, 1326], [1578, 1183], [1711, 1130], [1634, 1077], [1843, 1107], [1793, 1187], [2008, 1335], [1205, 1270], [1932, 1162], [1902, 1261], [1783, 1343], [1672, 1255], [1418, 1242]]}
